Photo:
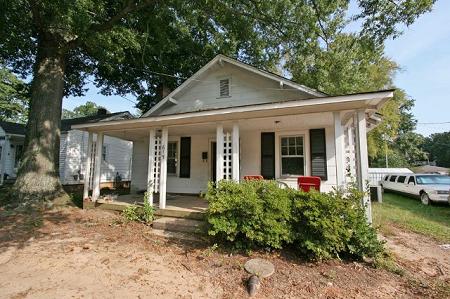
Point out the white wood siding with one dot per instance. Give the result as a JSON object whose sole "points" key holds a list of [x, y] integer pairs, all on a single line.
{"points": [[245, 88], [250, 160], [74, 153], [139, 165]]}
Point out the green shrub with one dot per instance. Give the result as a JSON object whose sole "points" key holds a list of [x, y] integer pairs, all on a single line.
{"points": [[143, 214], [147, 214], [333, 225], [319, 225], [248, 214], [131, 213]]}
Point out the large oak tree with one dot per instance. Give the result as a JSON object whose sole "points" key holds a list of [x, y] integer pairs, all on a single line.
{"points": [[138, 45]]}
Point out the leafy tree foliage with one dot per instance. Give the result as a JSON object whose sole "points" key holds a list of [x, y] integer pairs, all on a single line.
{"points": [[438, 145], [14, 97], [350, 64], [127, 45], [89, 108]]}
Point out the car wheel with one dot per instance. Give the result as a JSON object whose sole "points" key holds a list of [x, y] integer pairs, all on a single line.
{"points": [[425, 198]]}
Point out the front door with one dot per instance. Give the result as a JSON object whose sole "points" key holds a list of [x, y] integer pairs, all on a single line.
{"points": [[213, 160]]}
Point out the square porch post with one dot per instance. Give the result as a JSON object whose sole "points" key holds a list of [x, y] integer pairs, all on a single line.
{"points": [[219, 153], [235, 152], [87, 167], [5, 148], [97, 166], [362, 159], [151, 168], [163, 171], [339, 143]]}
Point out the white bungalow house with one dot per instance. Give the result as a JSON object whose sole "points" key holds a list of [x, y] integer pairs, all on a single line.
{"points": [[230, 120], [116, 153]]}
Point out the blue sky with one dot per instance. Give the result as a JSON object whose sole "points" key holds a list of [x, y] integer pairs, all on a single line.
{"points": [[422, 51]]}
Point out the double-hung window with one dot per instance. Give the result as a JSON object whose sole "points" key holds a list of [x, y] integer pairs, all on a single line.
{"points": [[292, 155], [172, 158]]}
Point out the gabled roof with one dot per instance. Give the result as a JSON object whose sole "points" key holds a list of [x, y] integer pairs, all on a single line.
{"points": [[66, 124], [12, 128], [220, 59]]}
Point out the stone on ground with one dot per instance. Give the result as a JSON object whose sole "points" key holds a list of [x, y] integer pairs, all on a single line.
{"points": [[259, 267]]}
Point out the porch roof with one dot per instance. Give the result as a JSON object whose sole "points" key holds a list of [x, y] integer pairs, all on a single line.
{"points": [[370, 101]]}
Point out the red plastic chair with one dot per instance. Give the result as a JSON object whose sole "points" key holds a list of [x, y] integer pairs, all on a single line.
{"points": [[306, 183], [253, 177]]}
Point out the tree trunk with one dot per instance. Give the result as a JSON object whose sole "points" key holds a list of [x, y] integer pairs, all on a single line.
{"points": [[38, 176]]}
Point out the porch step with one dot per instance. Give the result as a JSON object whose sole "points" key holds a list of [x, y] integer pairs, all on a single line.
{"points": [[180, 214], [179, 225]]}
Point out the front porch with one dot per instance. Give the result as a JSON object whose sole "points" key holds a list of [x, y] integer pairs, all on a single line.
{"points": [[181, 153], [177, 205]]}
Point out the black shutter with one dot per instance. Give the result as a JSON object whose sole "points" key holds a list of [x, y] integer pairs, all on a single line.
{"points": [[318, 153], [185, 157], [268, 155]]}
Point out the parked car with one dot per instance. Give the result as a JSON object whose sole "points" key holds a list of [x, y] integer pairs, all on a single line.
{"points": [[427, 187]]}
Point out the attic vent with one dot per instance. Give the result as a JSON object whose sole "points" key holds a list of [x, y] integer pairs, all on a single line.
{"points": [[224, 89]]}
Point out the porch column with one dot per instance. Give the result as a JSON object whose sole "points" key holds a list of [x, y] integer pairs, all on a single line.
{"points": [[339, 144], [163, 170], [235, 153], [351, 149], [219, 153], [151, 168], [87, 167], [97, 166], [362, 160]]}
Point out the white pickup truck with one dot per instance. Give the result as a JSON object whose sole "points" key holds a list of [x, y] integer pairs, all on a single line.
{"points": [[427, 187]]}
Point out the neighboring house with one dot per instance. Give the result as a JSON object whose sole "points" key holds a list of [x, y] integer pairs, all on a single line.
{"points": [[116, 153], [432, 169], [231, 119], [12, 136]]}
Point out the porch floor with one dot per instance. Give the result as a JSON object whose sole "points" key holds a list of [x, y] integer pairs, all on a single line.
{"points": [[175, 202]]}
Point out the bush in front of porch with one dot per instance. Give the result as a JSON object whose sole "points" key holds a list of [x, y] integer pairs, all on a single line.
{"points": [[249, 214], [259, 214]]}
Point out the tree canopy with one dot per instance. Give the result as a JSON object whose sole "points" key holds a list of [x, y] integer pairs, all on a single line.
{"points": [[137, 46], [14, 97], [438, 145], [89, 108]]}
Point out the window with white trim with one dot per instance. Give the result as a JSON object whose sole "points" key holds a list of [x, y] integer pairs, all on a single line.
{"points": [[172, 158], [292, 155], [224, 87]]}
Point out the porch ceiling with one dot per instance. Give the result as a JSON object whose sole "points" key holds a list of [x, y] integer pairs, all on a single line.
{"points": [[137, 128], [286, 122]]}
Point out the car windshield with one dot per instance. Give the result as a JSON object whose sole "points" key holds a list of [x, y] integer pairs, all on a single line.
{"points": [[433, 180]]}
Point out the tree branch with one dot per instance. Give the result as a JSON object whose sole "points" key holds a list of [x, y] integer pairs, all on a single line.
{"points": [[322, 28], [130, 7]]}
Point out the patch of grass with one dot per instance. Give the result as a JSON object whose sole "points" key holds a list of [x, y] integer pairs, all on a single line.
{"points": [[77, 199], [388, 263], [411, 214]]}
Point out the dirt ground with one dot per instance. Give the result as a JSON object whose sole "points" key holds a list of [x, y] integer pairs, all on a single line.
{"points": [[72, 253]]}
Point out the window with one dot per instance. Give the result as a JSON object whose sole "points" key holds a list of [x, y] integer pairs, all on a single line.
{"points": [[172, 158], [411, 180], [401, 179], [224, 88], [292, 158], [386, 178], [104, 153], [393, 177], [433, 180]]}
